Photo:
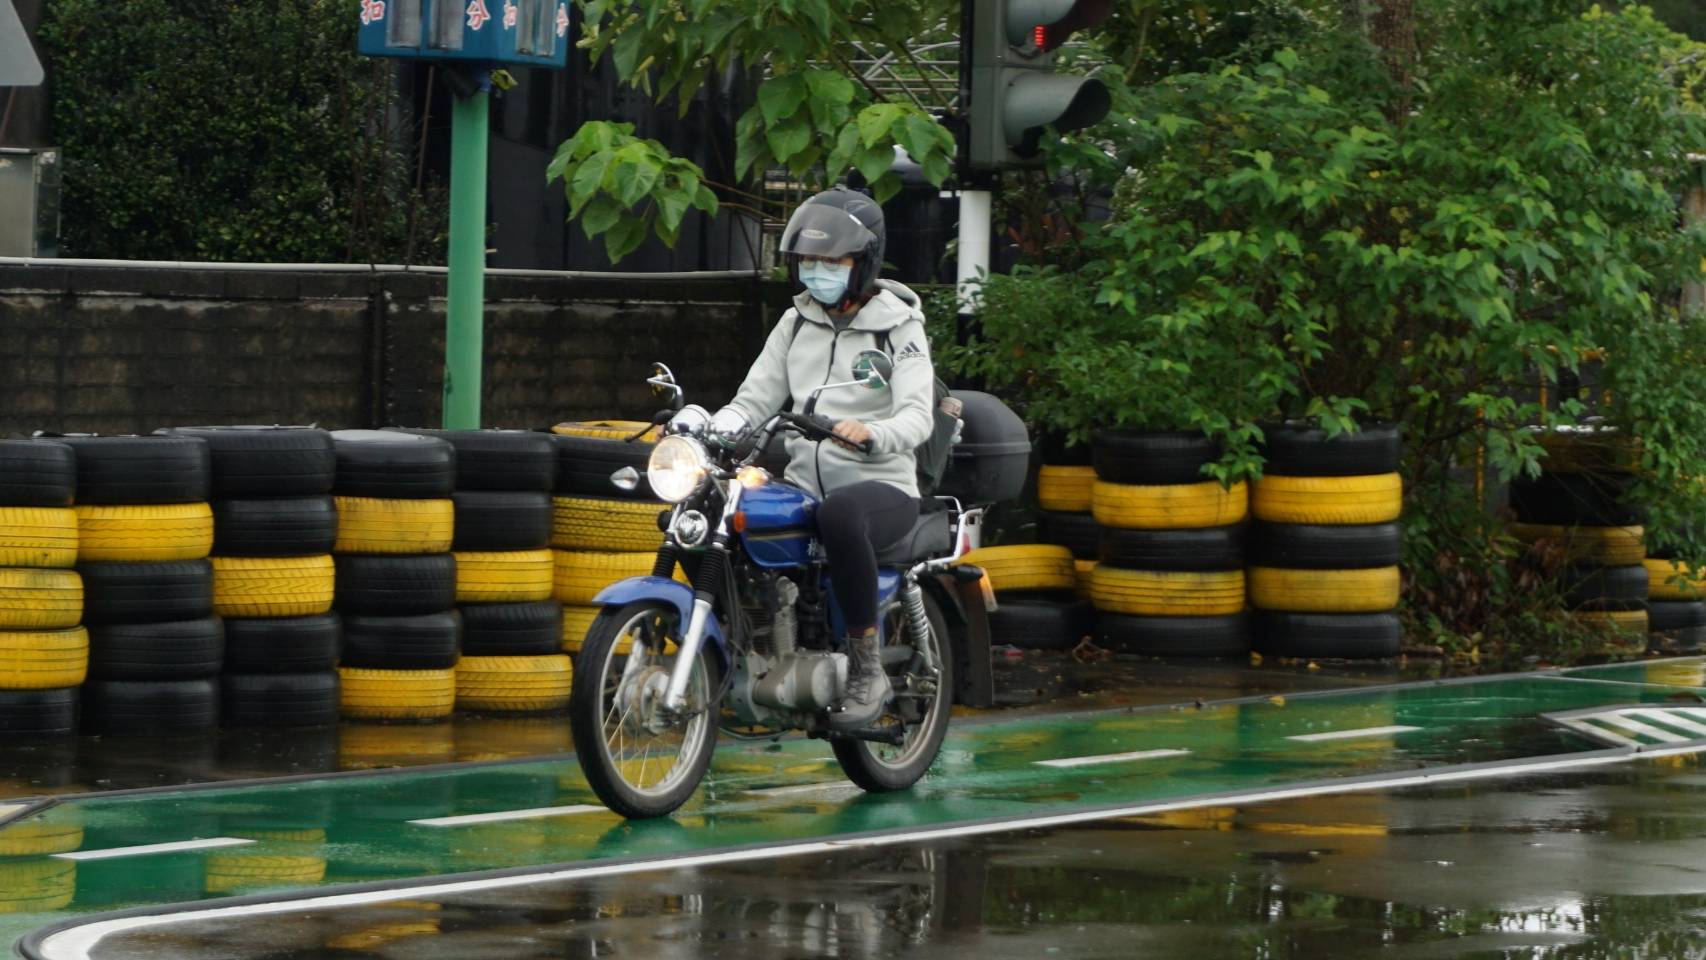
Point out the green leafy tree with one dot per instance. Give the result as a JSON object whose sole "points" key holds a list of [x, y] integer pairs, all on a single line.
{"points": [[814, 115], [226, 132]]}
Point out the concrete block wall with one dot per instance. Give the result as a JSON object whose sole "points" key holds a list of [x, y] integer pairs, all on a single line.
{"points": [[126, 350]]}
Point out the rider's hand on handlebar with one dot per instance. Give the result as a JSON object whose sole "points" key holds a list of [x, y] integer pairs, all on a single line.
{"points": [[691, 419], [854, 434]]}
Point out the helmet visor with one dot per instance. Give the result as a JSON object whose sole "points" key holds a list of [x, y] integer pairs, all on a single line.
{"points": [[822, 230]]}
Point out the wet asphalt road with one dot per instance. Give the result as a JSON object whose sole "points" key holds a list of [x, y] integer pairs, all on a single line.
{"points": [[1605, 865]]}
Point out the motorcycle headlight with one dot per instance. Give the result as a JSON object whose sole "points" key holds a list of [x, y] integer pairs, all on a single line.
{"points": [[676, 468]]}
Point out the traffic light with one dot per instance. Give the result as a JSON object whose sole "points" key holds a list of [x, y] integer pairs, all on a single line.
{"points": [[1015, 92]]}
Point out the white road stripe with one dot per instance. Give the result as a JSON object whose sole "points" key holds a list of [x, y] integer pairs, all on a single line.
{"points": [[1681, 720], [1111, 758], [828, 786], [7, 809], [533, 813], [1598, 733], [1636, 726], [211, 843], [1351, 734], [76, 943]]}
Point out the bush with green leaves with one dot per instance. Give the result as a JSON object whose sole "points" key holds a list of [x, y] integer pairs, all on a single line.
{"points": [[249, 131], [1324, 236]]}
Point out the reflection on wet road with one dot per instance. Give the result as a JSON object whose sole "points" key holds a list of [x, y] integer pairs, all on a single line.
{"points": [[1579, 866], [415, 826]]}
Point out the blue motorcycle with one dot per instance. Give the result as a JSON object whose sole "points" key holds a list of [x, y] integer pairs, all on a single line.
{"points": [[746, 649]]}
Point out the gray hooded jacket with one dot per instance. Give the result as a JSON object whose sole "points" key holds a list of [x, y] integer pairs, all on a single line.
{"points": [[899, 416]]}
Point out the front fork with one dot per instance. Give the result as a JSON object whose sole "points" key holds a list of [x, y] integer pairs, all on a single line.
{"points": [[675, 698]]}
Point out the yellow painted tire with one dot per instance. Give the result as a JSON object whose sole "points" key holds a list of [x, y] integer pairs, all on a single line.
{"points": [[37, 886], [508, 576], [608, 430], [273, 586], [1165, 593], [397, 694], [1085, 569], [514, 684], [226, 873], [1178, 506], [36, 599], [581, 574], [1629, 629], [1673, 580], [1329, 501], [373, 525], [44, 659], [577, 620], [594, 523], [176, 531], [1029, 566], [40, 837], [1066, 489], [1371, 590], [38, 537], [1598, 546]]}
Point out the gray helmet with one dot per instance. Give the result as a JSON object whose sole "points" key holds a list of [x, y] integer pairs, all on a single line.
{"points": [[838, 223]]}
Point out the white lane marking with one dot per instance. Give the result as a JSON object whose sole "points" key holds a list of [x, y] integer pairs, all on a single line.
{"points": [[1598, 733], [7, 809], [1636, 726], [212, 843], [1111, 758], [76, 943], [532, 813], [828, 786], [1679, 719], [1351, 734]]}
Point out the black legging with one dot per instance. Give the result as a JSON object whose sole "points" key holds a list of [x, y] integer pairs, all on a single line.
{"points": [[853, 522]]}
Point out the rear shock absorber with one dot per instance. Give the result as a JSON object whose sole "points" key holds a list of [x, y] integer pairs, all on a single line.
{"points": [[918, 620]]}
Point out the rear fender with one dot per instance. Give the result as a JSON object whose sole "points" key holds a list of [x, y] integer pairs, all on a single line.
{"points": [[672, 592]]}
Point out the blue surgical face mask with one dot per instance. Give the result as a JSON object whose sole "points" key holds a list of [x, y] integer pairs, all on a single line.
{"points": [[826, 281]]}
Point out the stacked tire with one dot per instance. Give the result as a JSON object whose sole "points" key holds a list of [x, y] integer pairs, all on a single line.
{"points": [[396, 577], [44, 652], [599, 533], [1676, 605], [1035, 590], [1064, 483], [145, 531], [1170, 578], [1324, 547], [511, 627], [1579, 505], [274, 527]]}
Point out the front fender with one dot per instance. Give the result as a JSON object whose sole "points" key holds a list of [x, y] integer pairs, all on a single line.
{"points": [[673, 592]]}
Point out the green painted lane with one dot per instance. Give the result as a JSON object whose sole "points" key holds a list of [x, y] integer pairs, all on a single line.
{"points": [[328, 831]]}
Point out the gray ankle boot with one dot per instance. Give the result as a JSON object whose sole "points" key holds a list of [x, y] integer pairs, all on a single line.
{"points": [[867, 687]]}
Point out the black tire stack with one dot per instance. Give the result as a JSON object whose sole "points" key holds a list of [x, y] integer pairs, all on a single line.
{"points": [[1169, 582], [1580, 502], [145, 530], [396, 576], [512, 660], [1324, 544], [41, 666], [597, 530], [1676, 605], [274, 525]]}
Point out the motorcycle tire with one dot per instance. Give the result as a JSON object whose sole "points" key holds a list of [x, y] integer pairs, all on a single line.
{"points": [[862, 760], [600, 657]]}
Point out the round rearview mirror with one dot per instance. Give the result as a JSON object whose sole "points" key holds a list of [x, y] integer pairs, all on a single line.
{"points": [[873, 368], [662, 381]]}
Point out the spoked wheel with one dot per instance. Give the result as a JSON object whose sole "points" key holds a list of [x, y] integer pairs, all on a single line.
{"points": [[917, 715], [641, 760]]}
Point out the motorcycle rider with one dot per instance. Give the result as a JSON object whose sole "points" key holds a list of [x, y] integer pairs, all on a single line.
{"points": [[833, 246]]}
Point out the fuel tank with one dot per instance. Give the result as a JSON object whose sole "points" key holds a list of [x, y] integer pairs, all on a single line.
{"points": [[781, 521]]}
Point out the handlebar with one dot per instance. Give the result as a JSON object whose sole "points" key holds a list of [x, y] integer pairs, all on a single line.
{"points": [[821, 428]]}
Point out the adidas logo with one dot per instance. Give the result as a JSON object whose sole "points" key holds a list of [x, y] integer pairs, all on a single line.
{"points": [[910, 351]]}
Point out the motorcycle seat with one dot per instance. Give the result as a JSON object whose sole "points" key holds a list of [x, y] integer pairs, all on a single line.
{"points": [[933, 534]]}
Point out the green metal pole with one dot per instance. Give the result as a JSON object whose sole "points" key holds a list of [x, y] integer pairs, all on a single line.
{"points": [[465, 320]]}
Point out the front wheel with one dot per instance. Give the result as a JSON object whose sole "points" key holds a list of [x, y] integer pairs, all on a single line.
{"points": [[918, 713], [640, 759]]}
